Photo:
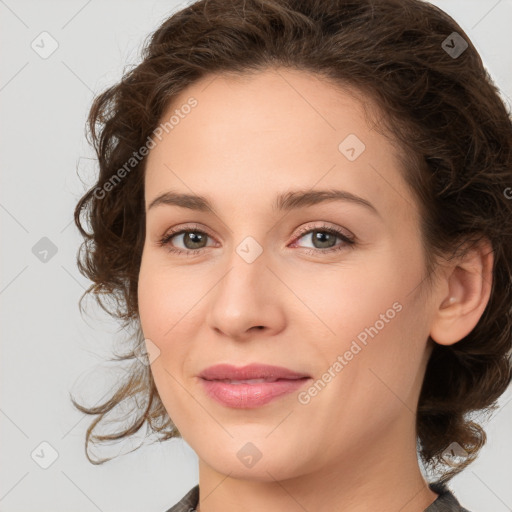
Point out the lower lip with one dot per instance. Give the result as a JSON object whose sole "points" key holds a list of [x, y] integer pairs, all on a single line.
{"points": [[249, 396]]}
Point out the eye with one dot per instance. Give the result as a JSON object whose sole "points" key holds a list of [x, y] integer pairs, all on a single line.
{"points": [[324, 238], [194, 239]]}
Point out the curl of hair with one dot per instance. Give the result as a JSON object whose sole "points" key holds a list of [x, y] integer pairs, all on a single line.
{"points": [[444, 115]]}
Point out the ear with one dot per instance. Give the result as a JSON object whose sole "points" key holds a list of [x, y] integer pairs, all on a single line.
{"points": [[463, 295]]}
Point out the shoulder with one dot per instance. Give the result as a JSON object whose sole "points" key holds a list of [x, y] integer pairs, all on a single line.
{"points": [[188, 503], [446, 501]]}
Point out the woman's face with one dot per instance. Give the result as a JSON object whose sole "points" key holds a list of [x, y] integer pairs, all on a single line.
{"points": [[266, 288]]}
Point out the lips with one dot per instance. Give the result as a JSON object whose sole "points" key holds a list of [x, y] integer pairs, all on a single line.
{"points": [[250, 386], [250, 396], [244, 374]]}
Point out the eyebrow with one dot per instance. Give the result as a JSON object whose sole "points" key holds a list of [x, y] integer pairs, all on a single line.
{"points": [[284, 202]]}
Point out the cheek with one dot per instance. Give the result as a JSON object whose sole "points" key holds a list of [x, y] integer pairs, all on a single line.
{"points": [[354, 299], [150, 310], [376, 321], [169, 317], [164, 297], [164, 320]]}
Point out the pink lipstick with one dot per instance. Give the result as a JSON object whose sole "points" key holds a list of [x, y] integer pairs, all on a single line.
{"points": [[250, 386]]}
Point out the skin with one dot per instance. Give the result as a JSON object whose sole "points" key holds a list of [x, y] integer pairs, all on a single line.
{"points": [[352, 448]]}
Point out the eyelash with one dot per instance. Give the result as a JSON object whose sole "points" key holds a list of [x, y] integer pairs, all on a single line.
{"points": [[348, 242]]}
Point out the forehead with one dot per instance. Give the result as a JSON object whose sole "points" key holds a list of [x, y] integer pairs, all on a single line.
{"points": [[265, 133]]}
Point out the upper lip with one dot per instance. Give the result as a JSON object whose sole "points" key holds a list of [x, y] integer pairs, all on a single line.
{"points": [[251, 371]]}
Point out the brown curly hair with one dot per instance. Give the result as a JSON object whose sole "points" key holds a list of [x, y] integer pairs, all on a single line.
{"points": [[444, 114]]}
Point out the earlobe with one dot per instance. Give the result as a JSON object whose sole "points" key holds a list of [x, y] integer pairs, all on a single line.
{"points": [[469, 288]]}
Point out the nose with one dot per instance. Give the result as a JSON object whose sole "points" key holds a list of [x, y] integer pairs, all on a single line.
{"points": [[248, 298]]}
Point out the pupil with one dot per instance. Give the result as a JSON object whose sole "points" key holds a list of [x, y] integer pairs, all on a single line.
{"points": [[191, 237], [318, 236]]}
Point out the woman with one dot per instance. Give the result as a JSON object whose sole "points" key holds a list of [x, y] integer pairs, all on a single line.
{"points": [[302, 209]]}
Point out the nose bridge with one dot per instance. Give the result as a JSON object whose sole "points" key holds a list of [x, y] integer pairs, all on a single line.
{"points": [[244, 296], [247, 277]]}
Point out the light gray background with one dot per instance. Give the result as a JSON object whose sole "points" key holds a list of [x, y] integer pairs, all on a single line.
{"points": [[48, 349]]}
